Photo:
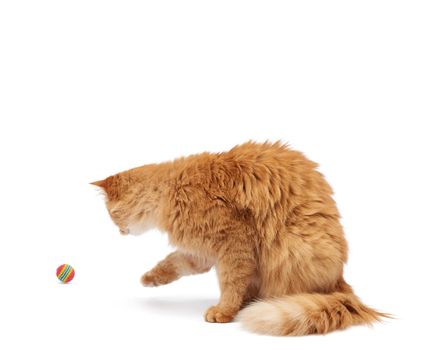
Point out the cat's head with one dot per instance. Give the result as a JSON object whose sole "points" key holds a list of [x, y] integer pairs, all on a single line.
{"points": [[131, 201]]}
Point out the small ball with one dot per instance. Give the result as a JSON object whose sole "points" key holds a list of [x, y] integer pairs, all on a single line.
{"points": [[65, 273]]}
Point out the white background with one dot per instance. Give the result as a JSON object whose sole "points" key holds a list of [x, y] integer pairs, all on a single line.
{"points": [[91, 88]]}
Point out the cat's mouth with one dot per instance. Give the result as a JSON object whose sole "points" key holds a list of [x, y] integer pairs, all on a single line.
{"points": [[124, 232]]}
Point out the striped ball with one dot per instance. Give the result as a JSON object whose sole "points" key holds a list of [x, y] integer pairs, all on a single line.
{"points": [[65, 273]]}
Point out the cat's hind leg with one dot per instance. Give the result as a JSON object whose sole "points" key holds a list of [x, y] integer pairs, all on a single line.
{"points": [[173, 267]]}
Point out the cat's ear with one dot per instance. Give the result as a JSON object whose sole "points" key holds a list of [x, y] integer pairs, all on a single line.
{"points": [[100, 183], [113, 186], [102, 186]]}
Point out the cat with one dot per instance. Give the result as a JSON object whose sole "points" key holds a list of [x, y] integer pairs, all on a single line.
{"points": [[264, 217]]}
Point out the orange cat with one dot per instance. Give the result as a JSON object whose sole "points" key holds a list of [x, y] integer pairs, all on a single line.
{"points": [[264, 217]]}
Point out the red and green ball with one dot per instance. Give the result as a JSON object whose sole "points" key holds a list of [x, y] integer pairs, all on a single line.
{"points": [[65, 273]]}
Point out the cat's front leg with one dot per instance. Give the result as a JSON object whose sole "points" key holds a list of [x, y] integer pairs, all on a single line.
{"points": [[235, 267], [173, 267]]}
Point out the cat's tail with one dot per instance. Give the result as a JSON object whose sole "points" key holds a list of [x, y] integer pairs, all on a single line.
{"points": [[311, 313]]}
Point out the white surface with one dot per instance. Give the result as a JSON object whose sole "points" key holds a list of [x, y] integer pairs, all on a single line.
{"points": [[90, 88]]}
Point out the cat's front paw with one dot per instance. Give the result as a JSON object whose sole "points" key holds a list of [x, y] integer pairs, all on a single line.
{"points": [[159, 277], [220, 314], [149, 280]]}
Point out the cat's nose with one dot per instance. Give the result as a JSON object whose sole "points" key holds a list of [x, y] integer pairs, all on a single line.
{"points": [[124, 232]]}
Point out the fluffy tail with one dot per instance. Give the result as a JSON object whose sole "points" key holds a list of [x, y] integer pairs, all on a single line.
{"points": [[303, 314]]}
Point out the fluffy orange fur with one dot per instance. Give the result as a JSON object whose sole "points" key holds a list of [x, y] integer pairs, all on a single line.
{"points": [[264, 217]]}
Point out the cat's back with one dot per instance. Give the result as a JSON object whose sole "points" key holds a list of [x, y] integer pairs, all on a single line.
{"points": [[272, 157], [272, 164], [260, 176], [268, 176]]}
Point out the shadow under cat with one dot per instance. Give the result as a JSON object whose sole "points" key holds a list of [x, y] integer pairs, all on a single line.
{"points": [[178, 307]]}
